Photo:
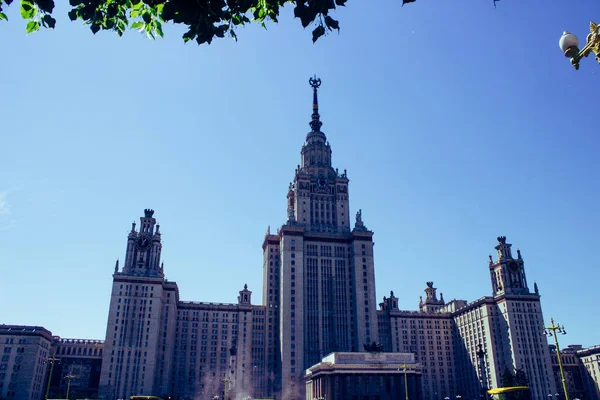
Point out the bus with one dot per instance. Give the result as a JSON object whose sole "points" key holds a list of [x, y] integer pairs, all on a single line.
{"points": [[511, 393]]}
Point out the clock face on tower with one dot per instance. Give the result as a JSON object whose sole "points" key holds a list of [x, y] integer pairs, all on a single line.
{"points": [[322, 183], [143, 242], [513, 265]]}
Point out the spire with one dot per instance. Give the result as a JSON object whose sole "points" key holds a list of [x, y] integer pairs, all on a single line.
{"points": [[316, 123]]}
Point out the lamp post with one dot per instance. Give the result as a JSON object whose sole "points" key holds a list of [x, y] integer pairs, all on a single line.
{"points": [[482, 370], [68, 378], [553, 331], [569, 44], [405, 383], [51, 360], [226, 381]]}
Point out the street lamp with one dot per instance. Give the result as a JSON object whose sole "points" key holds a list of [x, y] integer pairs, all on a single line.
{"points": [[68, 378], [51, 360], [405, 383], [482, 376], [226, 381], [569, 44], [552, 331]]}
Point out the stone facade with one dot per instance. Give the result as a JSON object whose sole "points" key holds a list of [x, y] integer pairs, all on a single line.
{"points": [[158, 344], [446, 337], [24, 351], [572, 368], [29, 353], [77, 369], [590, 361]]}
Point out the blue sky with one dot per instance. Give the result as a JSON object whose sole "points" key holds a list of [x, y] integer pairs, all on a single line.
{"points": [[457, 122]]}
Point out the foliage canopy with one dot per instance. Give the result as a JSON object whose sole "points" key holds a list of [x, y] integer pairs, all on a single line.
{"points": [[203, 19]]}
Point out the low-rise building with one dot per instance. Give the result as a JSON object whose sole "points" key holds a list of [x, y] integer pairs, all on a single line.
{"points": [[590, 361], [24, 351], [358, 376], [78, 365]]}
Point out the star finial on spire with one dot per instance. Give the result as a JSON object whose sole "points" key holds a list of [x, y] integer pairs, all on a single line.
{"points": [[316, 123]]}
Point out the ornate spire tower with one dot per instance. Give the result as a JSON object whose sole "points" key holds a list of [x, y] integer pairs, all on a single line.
{"points": [[143, 248], [319, 194], [319, 280]]}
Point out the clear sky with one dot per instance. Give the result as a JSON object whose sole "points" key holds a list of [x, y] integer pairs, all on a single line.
{"points": [[457, 122]]}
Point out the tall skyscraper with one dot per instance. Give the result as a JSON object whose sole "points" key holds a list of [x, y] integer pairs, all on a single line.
{"points": [[157, 344], [319, 281], [135, 360]]}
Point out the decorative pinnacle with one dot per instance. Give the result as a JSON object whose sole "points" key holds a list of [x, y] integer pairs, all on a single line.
{"points": [[315, 124]]}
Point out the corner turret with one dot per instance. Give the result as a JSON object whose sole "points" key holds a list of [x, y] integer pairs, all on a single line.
{"points": [[507, 273]]}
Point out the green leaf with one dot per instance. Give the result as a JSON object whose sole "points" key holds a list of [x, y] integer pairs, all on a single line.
{"points": [[28, 9], [134, 14], [3, 16], [332, 23], [189, 35], [159, 9], [318, 32], [73, 15], [48, 20], [306, 14], [32, 26], [46, 6], [159, 30], [137, 25], [147, 17]]}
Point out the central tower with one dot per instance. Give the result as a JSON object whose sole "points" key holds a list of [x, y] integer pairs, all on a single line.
{"points": [[318, 275], [318, 197]]}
